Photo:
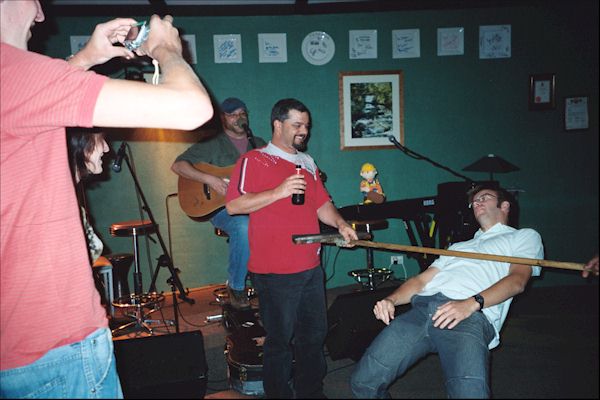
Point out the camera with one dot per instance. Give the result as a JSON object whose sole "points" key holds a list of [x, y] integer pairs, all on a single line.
{"points": [[137, 35]]}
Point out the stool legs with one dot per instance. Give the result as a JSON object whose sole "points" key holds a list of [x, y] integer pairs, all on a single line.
{"points": [[138, 303], [137, 274], [138, 300], [105, 275], [371, 277]]}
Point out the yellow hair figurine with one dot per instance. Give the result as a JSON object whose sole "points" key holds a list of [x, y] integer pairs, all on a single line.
{"points": [[369, 186]]}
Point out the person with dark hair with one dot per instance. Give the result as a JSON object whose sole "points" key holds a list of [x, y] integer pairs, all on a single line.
{"points": [[43, 250], [86, 149], [458, 307], [223, 150], [288, 278]]}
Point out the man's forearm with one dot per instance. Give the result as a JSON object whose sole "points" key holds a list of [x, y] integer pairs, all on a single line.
{"points": [[176, 72], [405, 292], [251, 202], [79, 61], [414, 285], [329, 215], [507, 287]]}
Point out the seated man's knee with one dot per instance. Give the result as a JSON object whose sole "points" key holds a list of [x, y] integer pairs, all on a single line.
{"points": [[364, 386], [467, 387]]}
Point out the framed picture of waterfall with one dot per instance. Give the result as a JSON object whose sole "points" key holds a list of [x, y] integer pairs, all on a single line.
{"points": [[371, 109]]}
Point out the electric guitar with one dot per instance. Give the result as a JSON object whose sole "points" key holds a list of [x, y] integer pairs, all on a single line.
{"points": [[198, 200]]}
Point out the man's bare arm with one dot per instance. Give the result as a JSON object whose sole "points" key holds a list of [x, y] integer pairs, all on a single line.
{"points": [[179, 101]]}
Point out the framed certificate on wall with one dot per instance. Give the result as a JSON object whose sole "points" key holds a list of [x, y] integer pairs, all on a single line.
{"points": [[541, 92], [576, 113]]}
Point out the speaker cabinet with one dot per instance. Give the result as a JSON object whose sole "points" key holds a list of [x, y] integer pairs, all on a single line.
{"points": [[161, 367], [352, 325]]}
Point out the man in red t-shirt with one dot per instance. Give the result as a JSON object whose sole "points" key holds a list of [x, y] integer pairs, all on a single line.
{"points": [[44, 262], [288, 278]]}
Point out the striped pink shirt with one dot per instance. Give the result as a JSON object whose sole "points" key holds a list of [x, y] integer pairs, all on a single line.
{"points": [[48, 297]]}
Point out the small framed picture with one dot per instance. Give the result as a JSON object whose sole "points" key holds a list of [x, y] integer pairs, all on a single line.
{"points": [[541, 92], [227, 48], [406, 43], [272, 47], [576, 113], [494, 41], [362, 44], [451, 41], [78, 42]]}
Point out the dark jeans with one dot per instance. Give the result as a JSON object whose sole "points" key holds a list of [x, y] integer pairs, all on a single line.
{"points": [[463, 352], [294, 314]]}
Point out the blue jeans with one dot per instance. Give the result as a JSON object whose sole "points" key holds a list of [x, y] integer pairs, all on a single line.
{"points": [[463, 352], [236, 227], [84, 370], [293, 312]]}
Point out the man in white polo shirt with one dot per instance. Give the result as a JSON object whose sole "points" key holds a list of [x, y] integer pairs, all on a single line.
{"points": [[458, 307]]}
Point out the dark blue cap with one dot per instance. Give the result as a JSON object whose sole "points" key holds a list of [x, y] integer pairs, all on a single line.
{"points": [[231, 104]]}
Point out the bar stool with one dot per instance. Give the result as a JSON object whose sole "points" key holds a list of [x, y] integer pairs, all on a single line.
{"points": [[370, 277], [138, 301], [121, 263]]}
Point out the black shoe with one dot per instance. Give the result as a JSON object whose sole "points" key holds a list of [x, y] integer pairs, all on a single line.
{"points": [[238, 299]]}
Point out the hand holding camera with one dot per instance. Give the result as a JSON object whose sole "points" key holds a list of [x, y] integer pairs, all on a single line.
{"points": [[160, 35], [137, 35], [99, 49]]}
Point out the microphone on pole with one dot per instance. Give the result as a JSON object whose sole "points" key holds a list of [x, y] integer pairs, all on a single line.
{"points": [[249, 134], [120, 156], [393, 139]]}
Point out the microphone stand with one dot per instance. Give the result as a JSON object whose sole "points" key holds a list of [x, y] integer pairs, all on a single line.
{"points": [[165, 259], [249, 135], [418, 156]]}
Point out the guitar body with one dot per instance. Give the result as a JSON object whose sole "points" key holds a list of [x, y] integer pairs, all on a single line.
{"points": [[197, 199]]}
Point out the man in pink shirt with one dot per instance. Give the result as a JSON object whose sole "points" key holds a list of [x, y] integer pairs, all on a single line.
{"points": [[44, 263]]}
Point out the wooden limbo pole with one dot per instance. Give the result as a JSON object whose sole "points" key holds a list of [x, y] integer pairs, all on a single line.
{"points": [[465, 254]]}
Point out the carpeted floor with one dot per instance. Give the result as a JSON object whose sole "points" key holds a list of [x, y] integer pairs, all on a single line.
{"points": [[549, 346]]}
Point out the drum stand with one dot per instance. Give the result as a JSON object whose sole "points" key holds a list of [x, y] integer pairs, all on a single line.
{"points": [[142, 300]]}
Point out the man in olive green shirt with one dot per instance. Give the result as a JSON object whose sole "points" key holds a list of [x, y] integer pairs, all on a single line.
{"points": [[223, 150]]}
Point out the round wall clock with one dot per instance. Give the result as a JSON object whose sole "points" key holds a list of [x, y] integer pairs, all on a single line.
{"points": [[318, 48]]}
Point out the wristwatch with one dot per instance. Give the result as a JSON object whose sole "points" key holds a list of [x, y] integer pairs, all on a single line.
{"points": [[479, 299]]}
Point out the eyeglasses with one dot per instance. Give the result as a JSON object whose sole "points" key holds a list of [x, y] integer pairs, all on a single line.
{"points": [[237, 115], [482, 199]]}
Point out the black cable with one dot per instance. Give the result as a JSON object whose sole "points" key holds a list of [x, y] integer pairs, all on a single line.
{"points": [[333, 266], [169, 224]]}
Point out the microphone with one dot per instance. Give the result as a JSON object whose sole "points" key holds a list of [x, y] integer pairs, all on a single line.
{"points": [[393, 139], [247, 129], [120, 156], [249, 134]]}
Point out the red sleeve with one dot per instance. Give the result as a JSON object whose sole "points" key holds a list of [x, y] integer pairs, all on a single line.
{"points": [[235, 189], [322, 194]]}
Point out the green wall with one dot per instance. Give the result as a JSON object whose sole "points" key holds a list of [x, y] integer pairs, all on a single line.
{"points": [[456, 110]]}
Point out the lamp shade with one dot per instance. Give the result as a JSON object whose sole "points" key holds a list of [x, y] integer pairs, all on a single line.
{"points": [[492, 164]]}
